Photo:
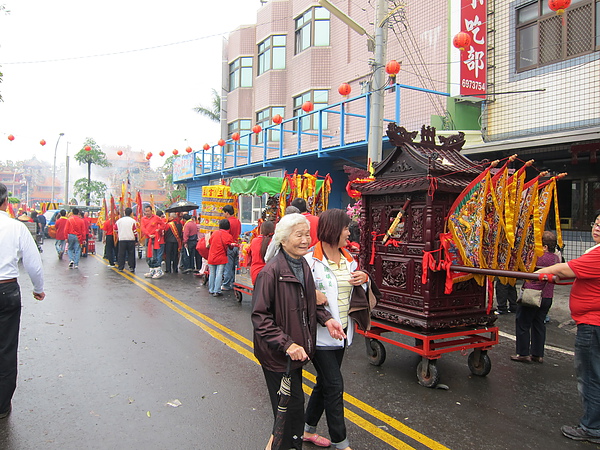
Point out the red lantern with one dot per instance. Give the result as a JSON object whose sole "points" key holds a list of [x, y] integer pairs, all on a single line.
{"points": [[120, 152], [256, 129], [11, 137], [175, 152], [206, 147], [344, 89], [221, 142], [392, 68], [188, 149], [277, 119], [149, 155], [559, 6], [462, 40], [161, 153], [87, 148], [42, 142], [235, 137], [307, 107]]}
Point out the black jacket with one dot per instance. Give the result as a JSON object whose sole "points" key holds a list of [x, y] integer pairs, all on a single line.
{"points": [[283, 313]]}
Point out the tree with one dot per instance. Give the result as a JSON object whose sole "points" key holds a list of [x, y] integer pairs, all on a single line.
{"points": [[213, 113], [94, 156], [173, 195], [90, 190]]}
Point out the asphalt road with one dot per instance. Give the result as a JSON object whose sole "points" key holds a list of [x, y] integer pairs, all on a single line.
{"points": [[112, 360]]}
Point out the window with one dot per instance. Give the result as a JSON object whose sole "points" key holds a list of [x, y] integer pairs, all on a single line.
{"points": [[240, 73], [320, 99], [242, 126], [543, 37], [271, 54], [263, 118], [312, 29]]}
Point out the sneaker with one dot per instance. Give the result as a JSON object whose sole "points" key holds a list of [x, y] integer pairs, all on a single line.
{"points": [[110, 265], [71, 264], [225, 288], [499, 312], [158, 274], [75, 266], [579, 434], [150, 274]]}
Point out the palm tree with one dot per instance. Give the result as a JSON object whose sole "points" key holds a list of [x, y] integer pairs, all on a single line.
{"points": [[213, 113]]}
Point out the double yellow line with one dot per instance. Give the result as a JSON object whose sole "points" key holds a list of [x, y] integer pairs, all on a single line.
{"points": [[229, 337]]}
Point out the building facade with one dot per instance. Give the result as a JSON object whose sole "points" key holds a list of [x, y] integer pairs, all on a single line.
{"points": [[528, 84]]}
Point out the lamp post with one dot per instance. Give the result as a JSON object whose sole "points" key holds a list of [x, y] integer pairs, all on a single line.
{"points": [[67, 176], [54, 164]]}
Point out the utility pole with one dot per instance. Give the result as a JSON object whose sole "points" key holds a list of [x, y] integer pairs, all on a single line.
{"points": [[378, 83], [67, 177]]}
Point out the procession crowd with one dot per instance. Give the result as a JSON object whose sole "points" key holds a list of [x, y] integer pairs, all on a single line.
{"points": [[308, 296]]}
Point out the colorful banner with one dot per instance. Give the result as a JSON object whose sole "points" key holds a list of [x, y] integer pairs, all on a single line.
{"points": [[214, 198]]}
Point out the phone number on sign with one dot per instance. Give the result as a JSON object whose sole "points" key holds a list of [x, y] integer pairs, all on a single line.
{"points": [[472, 84]]}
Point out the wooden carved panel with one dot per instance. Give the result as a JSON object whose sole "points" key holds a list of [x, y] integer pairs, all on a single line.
{"points": [[394, 274]]}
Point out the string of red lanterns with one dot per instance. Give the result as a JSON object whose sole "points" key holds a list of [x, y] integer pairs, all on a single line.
{"points": [[11, 137], [256, 129], [206, 147], [277, 119], [345, 89], [307, 106], [188, 149], [221, 142]]}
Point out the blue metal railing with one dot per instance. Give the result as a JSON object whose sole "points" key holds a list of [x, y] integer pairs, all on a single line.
{"points": [[291, 130]]}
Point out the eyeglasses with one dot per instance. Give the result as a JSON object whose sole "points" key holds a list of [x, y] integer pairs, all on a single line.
{"points": [[595, 225]]}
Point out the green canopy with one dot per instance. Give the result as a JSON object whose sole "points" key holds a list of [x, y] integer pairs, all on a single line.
{"points": [[259, 185]]}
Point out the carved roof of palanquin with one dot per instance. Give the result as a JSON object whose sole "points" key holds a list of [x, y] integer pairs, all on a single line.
{"points": [[414, 166]]}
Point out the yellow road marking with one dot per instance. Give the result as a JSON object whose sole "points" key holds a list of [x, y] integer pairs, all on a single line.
{"points": [[369, 427]]}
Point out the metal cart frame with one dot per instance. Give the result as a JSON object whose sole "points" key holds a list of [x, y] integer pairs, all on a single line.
{"points": [[432, 345]]}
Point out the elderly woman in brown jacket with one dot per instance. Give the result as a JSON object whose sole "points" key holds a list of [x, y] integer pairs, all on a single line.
{"points": [[285, 316]]}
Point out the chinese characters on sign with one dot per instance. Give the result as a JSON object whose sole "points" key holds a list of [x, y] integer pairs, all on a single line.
{"points": [[473, 18]]}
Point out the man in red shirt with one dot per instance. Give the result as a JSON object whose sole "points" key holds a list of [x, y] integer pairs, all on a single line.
{"points": [[584, 302], [152, 228], [235, 228], [60, 226], [76, 234], [300, 203]]}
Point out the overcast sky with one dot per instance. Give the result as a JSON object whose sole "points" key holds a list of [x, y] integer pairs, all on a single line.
{"points": [[54, 81]]}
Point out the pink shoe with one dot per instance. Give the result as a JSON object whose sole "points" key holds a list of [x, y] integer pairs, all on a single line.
{"points": [[319, 441]]}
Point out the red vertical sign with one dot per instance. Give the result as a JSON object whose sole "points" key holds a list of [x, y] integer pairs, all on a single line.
{"points": [[473, 66]]}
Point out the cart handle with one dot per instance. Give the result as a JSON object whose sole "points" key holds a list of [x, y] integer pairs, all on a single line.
{"points": [[511, 274]]}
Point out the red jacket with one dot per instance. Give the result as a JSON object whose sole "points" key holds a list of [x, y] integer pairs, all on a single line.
{"points": [[153, 225], [256, 262], [217, 247], [76, 226], [61, 225], [235, 228]]}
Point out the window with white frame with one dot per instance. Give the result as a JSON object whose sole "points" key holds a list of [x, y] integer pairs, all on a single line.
{"points": [[312, 29], [271, 54], [263, 118], [240, 73], [241, 126], [543, 37], [320, 99]]}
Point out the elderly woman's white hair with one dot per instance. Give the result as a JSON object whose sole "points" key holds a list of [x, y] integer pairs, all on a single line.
{"points": [[283, 229]]}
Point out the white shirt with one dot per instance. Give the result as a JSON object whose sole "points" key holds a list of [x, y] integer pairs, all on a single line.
{"points": [[125, 226], [15, 242]]}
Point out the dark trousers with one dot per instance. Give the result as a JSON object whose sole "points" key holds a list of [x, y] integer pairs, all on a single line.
{"points": [[10, 318], [109, 249], [294, 418], [126, 249], [530, 328], [587, 367], [505, 293], [328, 394], [189, 255], [171, 257]]}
